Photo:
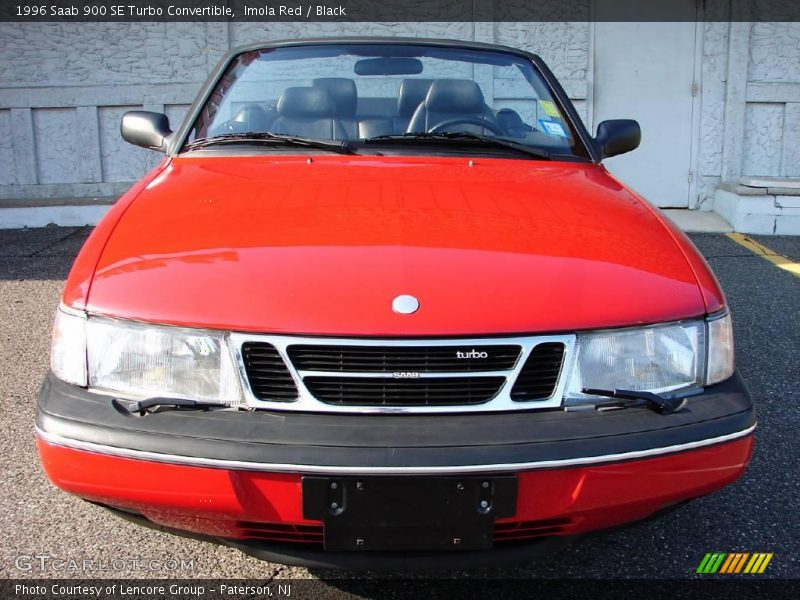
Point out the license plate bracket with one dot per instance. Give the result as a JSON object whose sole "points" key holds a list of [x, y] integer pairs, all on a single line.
{"points": [[408, 513]]}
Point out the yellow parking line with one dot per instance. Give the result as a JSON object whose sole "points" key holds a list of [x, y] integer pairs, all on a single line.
{"points": [[761, 250]]}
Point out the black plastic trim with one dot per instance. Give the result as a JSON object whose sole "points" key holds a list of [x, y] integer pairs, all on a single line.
{"points": [[388, 441]]}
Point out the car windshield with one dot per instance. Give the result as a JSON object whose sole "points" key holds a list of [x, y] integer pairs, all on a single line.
{"points": [[407, 98]]}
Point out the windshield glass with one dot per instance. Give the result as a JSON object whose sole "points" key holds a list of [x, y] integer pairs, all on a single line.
{"points": [[360, 92]]}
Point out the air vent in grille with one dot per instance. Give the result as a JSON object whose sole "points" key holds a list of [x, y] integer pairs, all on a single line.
{"points": [[379, 391], [269, 378], [504, 532], [538, 378], [281, 532], [387, 359], [516, 531]]}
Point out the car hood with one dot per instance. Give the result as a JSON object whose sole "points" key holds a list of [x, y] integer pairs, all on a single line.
{"points": [[289, 244]]}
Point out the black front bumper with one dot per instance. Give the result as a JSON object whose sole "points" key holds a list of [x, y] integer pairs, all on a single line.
{"points": [[390, 444]]}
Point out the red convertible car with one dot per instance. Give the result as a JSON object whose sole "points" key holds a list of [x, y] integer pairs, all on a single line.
{"points": [[382, 306]]}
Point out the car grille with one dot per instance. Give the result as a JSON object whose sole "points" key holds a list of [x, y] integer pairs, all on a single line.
{"points": [[520, 531], [504, 532], [353, 391], [281, 532], [269, 378], [325, 374], [539, 376], [388, 359]]}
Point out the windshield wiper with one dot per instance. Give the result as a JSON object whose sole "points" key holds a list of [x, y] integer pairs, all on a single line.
{"points": [[633, 398], [463, 136], [269, 139], [145, 407]]}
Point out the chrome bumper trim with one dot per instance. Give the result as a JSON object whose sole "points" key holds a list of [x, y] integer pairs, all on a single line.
{"points": [[331, 470]]}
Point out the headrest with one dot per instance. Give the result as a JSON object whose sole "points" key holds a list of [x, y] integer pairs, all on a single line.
{"points": [[342, 91], [412, 93], [460, 96], [252, 117], [508, 118], [305, 103]]}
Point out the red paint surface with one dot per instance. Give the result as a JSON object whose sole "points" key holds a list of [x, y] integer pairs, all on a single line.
{"points": [[80, 277], [277, 244], [217, 501]]}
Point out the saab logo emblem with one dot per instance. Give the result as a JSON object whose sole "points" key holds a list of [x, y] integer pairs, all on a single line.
{"points": [[406, 374], [735, 562], [471, 354], [405, 305]]}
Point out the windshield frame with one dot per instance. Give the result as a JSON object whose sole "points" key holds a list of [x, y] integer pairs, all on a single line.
{"points": [[586, 147]]}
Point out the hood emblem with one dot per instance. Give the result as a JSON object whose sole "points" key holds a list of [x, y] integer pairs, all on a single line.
{"points": [[405, 304]]}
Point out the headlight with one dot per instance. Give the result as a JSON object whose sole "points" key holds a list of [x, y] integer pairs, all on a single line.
{"points": [[655, 359], [720, 349], [68, 348], [137, 360], [665, 359]]}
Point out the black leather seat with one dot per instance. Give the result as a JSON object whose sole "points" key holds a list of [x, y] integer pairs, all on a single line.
{"points": [[344, 94], [412, 93], [308, 112], [512, 124], [451, 99], [250, 117], [373, 127]]}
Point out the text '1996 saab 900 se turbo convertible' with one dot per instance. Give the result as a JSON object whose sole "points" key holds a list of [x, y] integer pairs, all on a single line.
{"points": [[382, 306]]}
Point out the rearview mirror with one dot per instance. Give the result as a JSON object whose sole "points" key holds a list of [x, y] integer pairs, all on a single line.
{"points": [[146, 129], [388, 65], [618, 136]]}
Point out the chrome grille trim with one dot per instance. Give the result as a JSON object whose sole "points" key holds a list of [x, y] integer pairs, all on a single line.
{"points": [[502, 401], [420, 375], [388, 358]]}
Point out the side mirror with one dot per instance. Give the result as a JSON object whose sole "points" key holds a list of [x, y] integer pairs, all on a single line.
{"points": [[618, 136], [146, 129]]}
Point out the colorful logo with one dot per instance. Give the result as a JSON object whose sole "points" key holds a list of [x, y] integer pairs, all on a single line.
{"points": [[735, 562]]}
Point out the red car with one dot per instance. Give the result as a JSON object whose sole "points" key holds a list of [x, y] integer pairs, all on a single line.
{"points": [[382, 306]]}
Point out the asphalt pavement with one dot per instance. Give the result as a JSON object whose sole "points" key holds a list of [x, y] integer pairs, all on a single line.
{"points": [[760, 513]]}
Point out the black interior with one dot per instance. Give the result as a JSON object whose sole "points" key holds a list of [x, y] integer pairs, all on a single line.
{"points": [[344, 95], [455, 101], [308, 112], [331, 109]]}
